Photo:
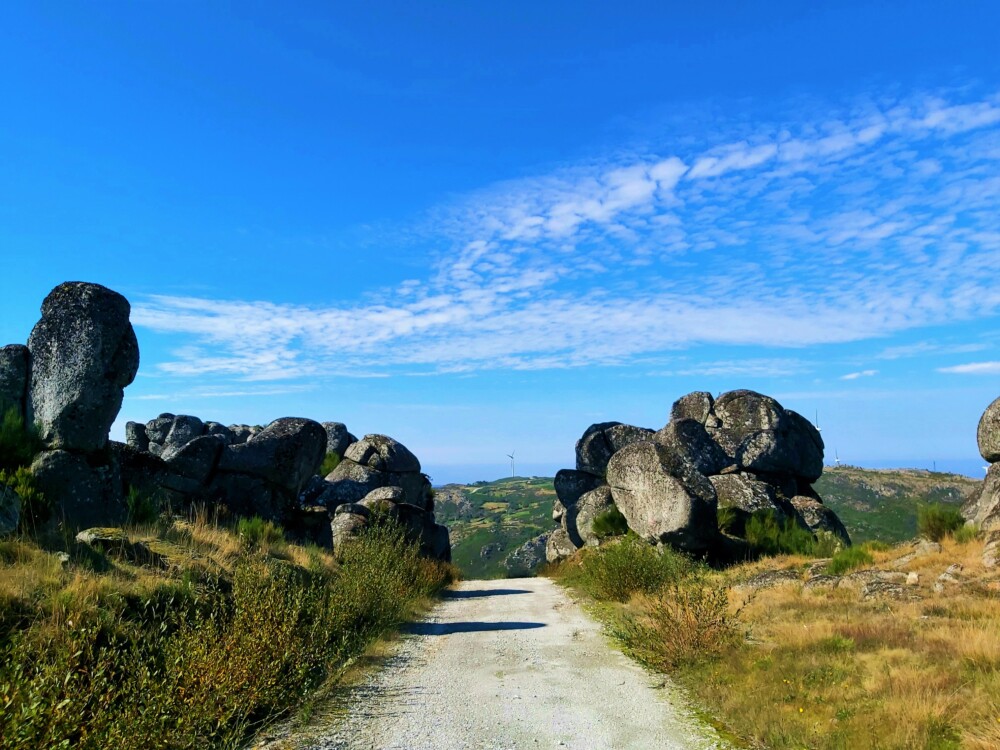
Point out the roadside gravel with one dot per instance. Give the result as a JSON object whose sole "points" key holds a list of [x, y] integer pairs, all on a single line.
{"points": [[506, 665]]}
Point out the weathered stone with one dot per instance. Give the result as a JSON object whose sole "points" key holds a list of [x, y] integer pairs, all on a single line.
{"points": [[158, 429], [580, 519], [382, 453], [83, 354], [524, 560], [745, 495], [184, 429], [820, 519], [601, 441], [436, 542], [558, 511], [696, 406], [195, 459], [314, 487], [215, 428], [386, 494], [559, 547], [355, 508], [770, 578], [690, 439], [416, 488], [349, 483], [794, 448], [246, 495], [135, 436], [663, 496], [571, 485], [82, 495], [988, 432], [919, 548], [338, 439], [742, 413], [346, 526], [240, 432], [10, 510], [286, 453], [14, 369]]}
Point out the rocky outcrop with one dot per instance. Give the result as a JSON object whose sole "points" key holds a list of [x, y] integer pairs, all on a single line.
{"points": [[13, 378], [10, 510], [983, 505], [524, 560], [988, 433], [743, 452], [338, 439], [83, 354], [663, 496]]}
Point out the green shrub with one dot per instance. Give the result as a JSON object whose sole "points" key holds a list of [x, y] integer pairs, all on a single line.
{"points": [[849, 558], [608, 524], [35, 507], [966, 533], [767, 534], [687, 622], [256, 532], [729, 520], [19, 444], [330, 462], [629, 566], [201, 662], [142, 507], [935, 522]]}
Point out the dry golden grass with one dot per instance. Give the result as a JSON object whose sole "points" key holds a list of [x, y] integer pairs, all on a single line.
{"points": [[825, 669]]}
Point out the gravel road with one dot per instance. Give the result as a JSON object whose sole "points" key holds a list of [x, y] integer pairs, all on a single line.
{"points": [[510, 664]]}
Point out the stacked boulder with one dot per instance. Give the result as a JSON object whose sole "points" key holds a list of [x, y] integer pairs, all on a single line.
{"points": [[983, 506], [379, 478], [69, 381], [251, 471], [742, 451]]}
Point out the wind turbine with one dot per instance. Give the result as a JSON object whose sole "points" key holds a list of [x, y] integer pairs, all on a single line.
{"points": [[816, 422], [511, 457], [836, 456]]}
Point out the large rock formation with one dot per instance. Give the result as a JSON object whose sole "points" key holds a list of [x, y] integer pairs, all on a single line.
{"points": [[83, 354], [743, 452], [983, 506], [14, 360]]}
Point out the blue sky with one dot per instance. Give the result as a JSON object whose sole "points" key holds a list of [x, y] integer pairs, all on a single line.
{"points": [[480, 227]]}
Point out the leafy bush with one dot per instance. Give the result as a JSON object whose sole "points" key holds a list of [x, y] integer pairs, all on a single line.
{"points": [[966, 533], [630, 566], [729, 520], [19, 443], [35, 507], [935, 522], [608, 524], [687, 622], [203, 661], [767, 534], [256, 532], [848, 558], [330, 462], [141, 507]]}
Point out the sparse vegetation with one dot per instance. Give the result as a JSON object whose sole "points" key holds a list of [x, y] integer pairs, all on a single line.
{"points": [[100, 652], [618, 570], [935, 522], [848, 559], [610, 523], [769, 534], [826, 667], [330, 462], [19, 443], [35, 508]]}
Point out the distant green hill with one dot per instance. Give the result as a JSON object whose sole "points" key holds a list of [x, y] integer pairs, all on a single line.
{"points": [[882, 503], [489, 520]]}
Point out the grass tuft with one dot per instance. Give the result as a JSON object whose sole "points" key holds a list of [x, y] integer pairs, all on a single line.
{"points": [[937, 521]]}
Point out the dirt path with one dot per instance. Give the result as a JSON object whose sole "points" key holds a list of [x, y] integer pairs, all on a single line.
{"points": [[510, 664]]}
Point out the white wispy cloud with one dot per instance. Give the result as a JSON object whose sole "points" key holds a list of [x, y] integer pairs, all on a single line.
{"points": [[861, 374], [973, 368], [802, 232]]}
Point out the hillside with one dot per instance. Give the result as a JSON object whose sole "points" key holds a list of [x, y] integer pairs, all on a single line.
{"points": [[882, 503], [489, 520]]}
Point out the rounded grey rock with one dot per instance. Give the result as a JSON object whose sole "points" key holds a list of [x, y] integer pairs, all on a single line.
{"points": [[988, 433]]}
